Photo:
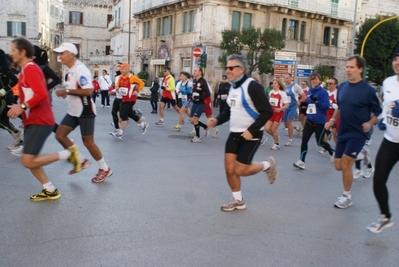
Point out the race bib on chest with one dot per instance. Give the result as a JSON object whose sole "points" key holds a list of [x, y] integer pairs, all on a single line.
{"points": [[194, 95], [123, 91], [233, 100], [289, 99], [273, 102], [311, 109]]}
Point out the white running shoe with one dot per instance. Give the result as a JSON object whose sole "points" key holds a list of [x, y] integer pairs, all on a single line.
{"points": [[215, 133], [368, 172], [357, 173], [17, 151], [192, 133], [275, 147], [322, 151], [196, 139], [289, 143], [299, 164], [145, 127], [263, 140]]}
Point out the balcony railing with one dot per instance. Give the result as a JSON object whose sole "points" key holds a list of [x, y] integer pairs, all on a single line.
{"points": [[322, 7], [114, 24]]}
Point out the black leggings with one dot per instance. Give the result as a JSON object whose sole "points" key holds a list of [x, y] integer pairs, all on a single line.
{"points": [[104, 96], [308, 130], [154, 105], [116, 107], [387, 156], [4, 119]]}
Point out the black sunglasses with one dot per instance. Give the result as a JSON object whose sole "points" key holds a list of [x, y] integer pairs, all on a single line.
{"points": [[231, 67], [331, 83]]}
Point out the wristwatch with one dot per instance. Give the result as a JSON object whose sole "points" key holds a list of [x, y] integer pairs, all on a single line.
{"points": [[67, 91], [23, 106]]}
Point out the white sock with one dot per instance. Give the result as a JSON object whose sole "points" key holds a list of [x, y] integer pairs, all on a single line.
{"points": [[237, 195], [360, 156], [347, 193], [49, 187], [64, 154], [120, 131], [102, 165], [141, 124], [161, 119], [266, 165]]}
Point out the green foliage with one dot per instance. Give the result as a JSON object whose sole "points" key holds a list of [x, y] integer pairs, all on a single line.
{"points": [[143, 75], [379, 47], [325, 72], [259, 47]]}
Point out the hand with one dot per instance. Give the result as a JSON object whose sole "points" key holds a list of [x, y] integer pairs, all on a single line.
{"points": [[163, 87], [247, 135], [395, 109], [212, 122], [14, 111], [135, 92], [61, 93], [329, 124], [381, 125], [314, 99], [366, 127], [334, 106]]}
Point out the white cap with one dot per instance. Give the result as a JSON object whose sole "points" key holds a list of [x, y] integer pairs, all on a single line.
{"points": [[67, 47]]}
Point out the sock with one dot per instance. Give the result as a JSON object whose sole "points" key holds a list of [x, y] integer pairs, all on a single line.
{"points": [[161, 119], [197, 130], [369, 166], [120, 131], [102, 165], [289, 140], [49, 187], [64, 154], [347, 193], [202, 125], [237, 195], [360, 156], [357, 164], [266, 165], [141, 124]]}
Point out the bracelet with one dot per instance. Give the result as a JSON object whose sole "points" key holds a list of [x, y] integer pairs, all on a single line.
{"points": [[332, 119]]}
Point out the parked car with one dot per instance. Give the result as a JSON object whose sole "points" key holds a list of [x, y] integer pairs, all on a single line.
{"points": [[145, 93]]}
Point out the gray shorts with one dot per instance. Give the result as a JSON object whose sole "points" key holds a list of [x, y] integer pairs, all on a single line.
{"points": [[34, 138], [86, 124]]}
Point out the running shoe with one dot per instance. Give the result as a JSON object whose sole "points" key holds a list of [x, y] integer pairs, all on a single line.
{"points": [[343, 202], [275, 147], [368, 142], [196, 139], [74, 158], [368, 172], [145, 127], [263, 140], [112, 124], [332, 157], [46, 195], [380, 224], [357, 173], [17, 151], [365, 151], [17, 140], [102, 175], [299, 164], [117, 134], [177, 128], [159, 122], [289, 143], [298, 130], [85, 165], [322, 151], [215, 133], [206, 132], [102, 106], [234, 204], [272, 172], [192, 133]]}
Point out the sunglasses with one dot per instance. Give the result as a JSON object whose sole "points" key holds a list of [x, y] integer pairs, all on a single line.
{"points": [[231, 67], [331, 83], [165, 71]]}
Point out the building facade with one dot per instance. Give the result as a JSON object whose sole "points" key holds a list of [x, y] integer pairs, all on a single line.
{"points": [[318, 31]]}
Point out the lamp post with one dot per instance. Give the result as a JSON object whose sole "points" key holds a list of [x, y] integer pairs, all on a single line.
{"points": [[353, 30], [128, 47]]}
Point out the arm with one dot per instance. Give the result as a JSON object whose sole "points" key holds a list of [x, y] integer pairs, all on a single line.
{"points": [[171, 85], [138, 81], [258, 96], [50, 74]]}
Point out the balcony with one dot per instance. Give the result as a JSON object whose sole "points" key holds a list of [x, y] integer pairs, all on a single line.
{"points": [[323, 8], [114, 24]]}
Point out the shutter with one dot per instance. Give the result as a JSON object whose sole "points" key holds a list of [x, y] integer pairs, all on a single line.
{"points": [[70, 17], [23, 28], [81, 18], [9, 28]]}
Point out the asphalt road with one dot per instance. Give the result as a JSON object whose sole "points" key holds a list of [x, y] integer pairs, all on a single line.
{"points": [[161, 207]]}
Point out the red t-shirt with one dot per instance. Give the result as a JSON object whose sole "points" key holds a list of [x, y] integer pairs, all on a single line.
{"points": [[33, 91], [126, 88], [96, 86]]}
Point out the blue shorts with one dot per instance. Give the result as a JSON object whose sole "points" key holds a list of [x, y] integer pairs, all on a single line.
{"points": [[350, 147], [290, 113], [197, 109]]}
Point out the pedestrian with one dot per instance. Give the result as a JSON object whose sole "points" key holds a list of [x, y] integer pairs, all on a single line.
{"points": [[38, 118], [388, 153], [224, 88], [358, 109], [216, 94], [246, 123], [81, 110], [318, 104], [154, 96], [104, 82], [96, 88]]}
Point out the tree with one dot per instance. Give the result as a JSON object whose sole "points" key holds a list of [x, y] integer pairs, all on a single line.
{"points": [[258, 45], [379, 47], [324, 71]]}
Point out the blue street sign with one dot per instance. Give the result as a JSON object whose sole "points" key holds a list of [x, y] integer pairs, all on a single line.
{"points": [[284, 62], [303, 72]]}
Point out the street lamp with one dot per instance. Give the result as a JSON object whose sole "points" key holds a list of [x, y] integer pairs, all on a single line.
{"points": [[353, 30]]}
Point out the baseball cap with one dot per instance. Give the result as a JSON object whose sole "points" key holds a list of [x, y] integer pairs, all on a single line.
{"points": [[396, 52], [67, 47], [124, 65]]}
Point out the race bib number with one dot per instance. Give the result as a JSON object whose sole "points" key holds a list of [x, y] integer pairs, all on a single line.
{"points": [[184, 97], [273, 102], [392, 121], [311, 109], [223, 97], [123, 91], [289, 99], [194, 95]]}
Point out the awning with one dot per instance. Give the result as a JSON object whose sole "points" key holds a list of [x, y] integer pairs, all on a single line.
{"points": [[158, 61]]}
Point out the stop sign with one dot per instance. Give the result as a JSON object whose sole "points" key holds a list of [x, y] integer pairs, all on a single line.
{"points": [[197, 52]]}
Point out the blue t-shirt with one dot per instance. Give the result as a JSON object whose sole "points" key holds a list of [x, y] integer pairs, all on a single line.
{"points": [[322, 105], [356, 102]]}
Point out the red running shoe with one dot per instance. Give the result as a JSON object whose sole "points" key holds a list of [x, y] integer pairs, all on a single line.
{"points": [[101, 175]]}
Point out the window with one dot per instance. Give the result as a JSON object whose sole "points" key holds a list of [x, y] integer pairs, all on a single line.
{"points": [[186, 63], [293, 30], [284, 27], [236, 21], [75, 17], [147, 29], [247, 21], [16, 28], [303, 31], [188, 21], [107, 50], [52, 10], [164, 26], [327, 36], [293, 3], [334, 39]]}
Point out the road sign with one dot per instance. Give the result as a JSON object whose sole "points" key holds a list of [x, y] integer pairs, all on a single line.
{"points": [[197, 52], [304, 71], [284, 62]]}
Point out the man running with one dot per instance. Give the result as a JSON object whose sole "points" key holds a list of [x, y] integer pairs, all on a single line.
{"points": [[168, 87], [81, 109]]}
